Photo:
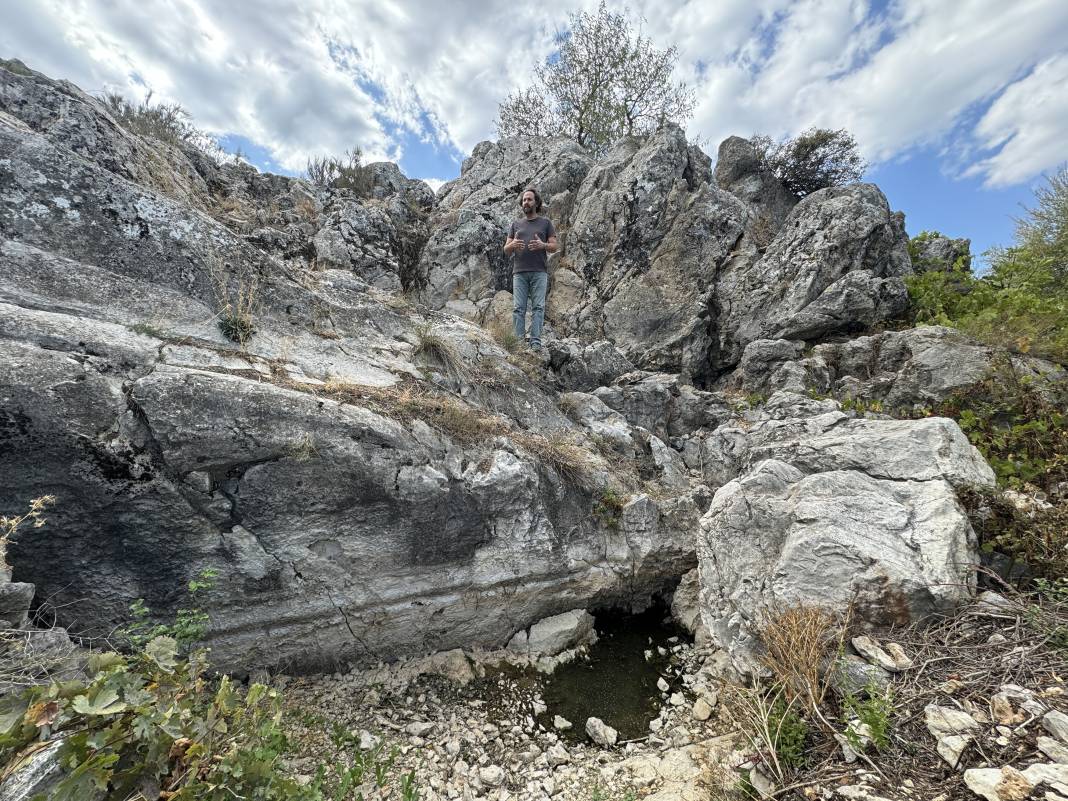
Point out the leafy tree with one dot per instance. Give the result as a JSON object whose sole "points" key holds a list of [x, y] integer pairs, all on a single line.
{"points": [[1043, 232], [813, 160], [605, 81]]}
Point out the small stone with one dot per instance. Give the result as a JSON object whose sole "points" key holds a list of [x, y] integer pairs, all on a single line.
{"points": [[561, 723], [557, 755], [701, 709], [662, 685], [677, 699], [897, 653], [656, 724], [367, 741], [952, 746], [1053, 749], [419, 729], [998, 784], [873, 652], [995, 605], [1056, 723], [944, 720], [1053, 774], [1001, 710], [761, 783], [492, 775], [996, 639], [601, 733], [951, 686]]}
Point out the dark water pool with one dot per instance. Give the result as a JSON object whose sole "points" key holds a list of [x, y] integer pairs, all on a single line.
{"points": [[616, 683]]}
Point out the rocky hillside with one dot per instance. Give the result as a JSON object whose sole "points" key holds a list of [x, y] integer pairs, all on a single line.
{"points": [[300, 388]]}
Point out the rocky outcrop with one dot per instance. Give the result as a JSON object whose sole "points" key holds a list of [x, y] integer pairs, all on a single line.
{"points": [[739, 170], [235, 371], [835, 266], [934, 251], [368, 479], [900, 369], [676, 271], [835, 512]]}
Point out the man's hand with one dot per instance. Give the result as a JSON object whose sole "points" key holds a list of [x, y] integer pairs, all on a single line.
{"points": [[513, 245], [536, 243]]}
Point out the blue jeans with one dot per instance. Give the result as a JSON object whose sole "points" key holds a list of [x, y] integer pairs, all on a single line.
{"points": [[529, 286]]}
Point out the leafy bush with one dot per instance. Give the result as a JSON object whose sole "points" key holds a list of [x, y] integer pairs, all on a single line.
{"points": [[152, 716], [815, 159], [347, 172], [1018, 423], [1021, 304], [190, 623]]}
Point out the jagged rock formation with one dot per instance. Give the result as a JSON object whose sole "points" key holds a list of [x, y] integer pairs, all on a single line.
{"points": [[369, 471], [301, 466]]}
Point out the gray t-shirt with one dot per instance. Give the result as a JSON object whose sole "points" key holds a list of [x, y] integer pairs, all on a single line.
{"points": [[530, 261]]}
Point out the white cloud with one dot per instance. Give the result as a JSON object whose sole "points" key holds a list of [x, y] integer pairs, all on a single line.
{"points": [[434, 183], [1029, 123], [319, 76]]}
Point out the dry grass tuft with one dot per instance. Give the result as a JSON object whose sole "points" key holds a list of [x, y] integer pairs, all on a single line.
{"points": [[797, 643], [237, 299], [464, 424], [439, 350], [304, 449], [505, 336]]}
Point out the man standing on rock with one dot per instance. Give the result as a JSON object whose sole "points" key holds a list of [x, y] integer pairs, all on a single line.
{"points": [[529, 239]]}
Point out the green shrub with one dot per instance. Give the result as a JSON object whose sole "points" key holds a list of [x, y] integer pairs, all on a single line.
{"points": [[790, 732], [190, 622], [815, 159], [153, 716], [609, 508], [1018, 423], [875, 711], [1021, 304]]}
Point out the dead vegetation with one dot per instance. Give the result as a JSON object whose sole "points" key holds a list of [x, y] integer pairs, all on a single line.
{"points": [[464, 424], [796, 720], [438, 350]]}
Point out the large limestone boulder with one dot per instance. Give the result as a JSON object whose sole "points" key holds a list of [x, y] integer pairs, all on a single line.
{"points": [[833, 511], [835, 265], [648, 233]]}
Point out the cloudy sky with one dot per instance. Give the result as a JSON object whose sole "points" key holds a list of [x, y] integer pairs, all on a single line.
{"points": [[960, 105]]}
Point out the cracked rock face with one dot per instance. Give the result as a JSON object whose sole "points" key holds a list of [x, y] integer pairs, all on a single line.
{"points": [[375, 479], [900, 369], [342, 528], [831, 511], [677, 272]]}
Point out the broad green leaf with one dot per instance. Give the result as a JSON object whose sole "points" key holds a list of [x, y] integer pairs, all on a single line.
{"points": [[105, 701], [164, 652], [12, 710], [99, 662]]}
